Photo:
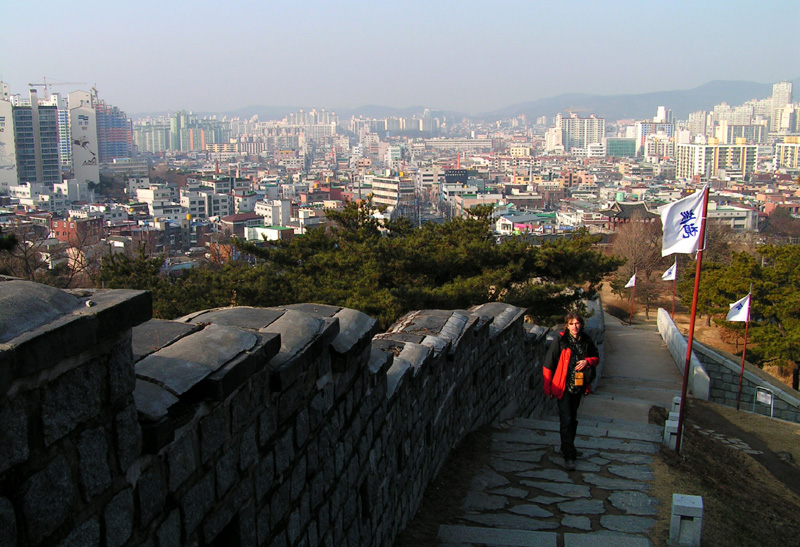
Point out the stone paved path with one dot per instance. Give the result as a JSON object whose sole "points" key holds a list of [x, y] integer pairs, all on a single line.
{"points": [[526, 497]]}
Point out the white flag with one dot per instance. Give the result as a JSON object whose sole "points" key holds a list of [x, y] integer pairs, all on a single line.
{"points": [[681, 224], [740, 311], [670, 274], [631, 282]]}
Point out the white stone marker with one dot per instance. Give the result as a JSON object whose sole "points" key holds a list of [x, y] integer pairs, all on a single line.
{"points": [[671, 434], [686, 522]]}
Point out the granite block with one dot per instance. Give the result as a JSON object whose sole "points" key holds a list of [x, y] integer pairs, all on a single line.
{"points": [[14, 433], [48, 498], [151, 491], [93, 457], [72, 398], [118, 518]]}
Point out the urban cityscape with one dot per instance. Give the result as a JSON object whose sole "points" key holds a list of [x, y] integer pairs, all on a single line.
{"points": [[295, 274], [221, 329], [81, 179]]}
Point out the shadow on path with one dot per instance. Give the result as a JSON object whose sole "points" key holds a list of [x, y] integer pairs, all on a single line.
{"points": [[518, 492]]}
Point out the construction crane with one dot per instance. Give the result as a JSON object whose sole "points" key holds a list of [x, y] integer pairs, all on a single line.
{"points": [[45, 84]]}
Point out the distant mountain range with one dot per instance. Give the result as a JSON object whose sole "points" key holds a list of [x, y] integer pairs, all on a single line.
{"points": [[642, 105], [610, 107]]}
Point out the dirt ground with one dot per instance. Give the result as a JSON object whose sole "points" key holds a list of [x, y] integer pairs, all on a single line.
{"points": [[748, 499]]}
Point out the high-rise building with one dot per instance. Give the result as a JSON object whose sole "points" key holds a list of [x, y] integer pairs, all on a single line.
{"points": [[727, 133], [657, 147], [762, 108], [580, 132], [152, 135], [64, 148], [8, 150], [188, 133], [781, 97], [697, 122], [554, 141], [114, 133], [786, 118], [663, 115], [84, 138], [36, 142]]}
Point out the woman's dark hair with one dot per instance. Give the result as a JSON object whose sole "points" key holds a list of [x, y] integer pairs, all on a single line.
{"points": [[574, 315]]}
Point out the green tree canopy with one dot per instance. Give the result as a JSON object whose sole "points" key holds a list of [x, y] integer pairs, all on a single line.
{"points": [[775, 303]]}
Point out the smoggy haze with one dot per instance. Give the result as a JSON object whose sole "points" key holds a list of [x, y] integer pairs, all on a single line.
{"points": [[467, 55]]}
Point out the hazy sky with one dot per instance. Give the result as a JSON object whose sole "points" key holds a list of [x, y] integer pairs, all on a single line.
{"points": [[457, 55]]}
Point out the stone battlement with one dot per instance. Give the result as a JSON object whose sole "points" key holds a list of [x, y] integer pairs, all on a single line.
{"points": [[298, 425]]}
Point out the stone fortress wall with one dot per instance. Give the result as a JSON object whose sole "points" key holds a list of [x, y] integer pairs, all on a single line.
{"points": [[284, 426]]}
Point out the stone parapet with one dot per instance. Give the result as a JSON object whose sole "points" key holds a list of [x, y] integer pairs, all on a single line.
{"points": [[295, 425], [70, 431]]}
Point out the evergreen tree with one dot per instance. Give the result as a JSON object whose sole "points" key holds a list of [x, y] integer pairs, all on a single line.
{"points": [[384, 269], [775, 302]]}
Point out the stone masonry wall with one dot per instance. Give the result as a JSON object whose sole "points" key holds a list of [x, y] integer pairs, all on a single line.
{"points": [[724, 372], [284, 426]]}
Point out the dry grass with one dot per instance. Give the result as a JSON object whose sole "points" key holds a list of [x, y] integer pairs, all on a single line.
{"points": [[746, 499]]}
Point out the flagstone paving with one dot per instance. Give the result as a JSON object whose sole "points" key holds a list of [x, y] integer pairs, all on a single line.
{"points": [[525, 496], [604, 501]]}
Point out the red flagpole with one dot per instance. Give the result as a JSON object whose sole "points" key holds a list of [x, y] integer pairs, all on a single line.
{"points": [[744, 351], [690, 340]]}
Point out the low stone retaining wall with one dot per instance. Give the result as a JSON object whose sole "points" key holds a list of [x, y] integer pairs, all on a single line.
{"points": [[283, 426], [716, 375], [724, 371], [699, 382]]}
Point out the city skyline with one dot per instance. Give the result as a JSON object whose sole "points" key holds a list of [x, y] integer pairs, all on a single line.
{"points": [[444, 55]]}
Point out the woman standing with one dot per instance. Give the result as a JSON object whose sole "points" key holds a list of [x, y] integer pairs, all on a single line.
{"points": [[568, 371]]}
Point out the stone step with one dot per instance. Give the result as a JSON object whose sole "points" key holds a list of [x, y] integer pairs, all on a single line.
{"points": [[551, 423], [638, 380], [656, 396], [615, 429], [605, 539], [479, 535]]}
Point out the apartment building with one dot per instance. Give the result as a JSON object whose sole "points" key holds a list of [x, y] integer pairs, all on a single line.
{"points": [[787, 154], [393, 192], [579, 132], [707, 160]]}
